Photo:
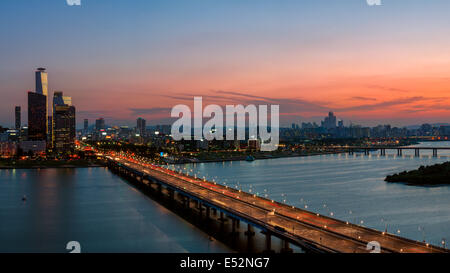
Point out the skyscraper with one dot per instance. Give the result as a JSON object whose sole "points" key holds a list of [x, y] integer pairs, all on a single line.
{"points": [[86, 125], [42, 89], [37, 117], [99, 124], [63, 123], [59, 99], [50, 131], [330, 121], [18, 118], [41, 81], [140, 128]]}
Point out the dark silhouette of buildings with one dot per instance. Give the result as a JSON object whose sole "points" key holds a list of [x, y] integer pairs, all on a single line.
{"points": [[99, 124], [37, 117], [18, 122], [140, 128]]}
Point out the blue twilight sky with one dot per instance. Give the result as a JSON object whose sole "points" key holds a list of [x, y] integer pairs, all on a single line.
{"points": [[120, 59]]}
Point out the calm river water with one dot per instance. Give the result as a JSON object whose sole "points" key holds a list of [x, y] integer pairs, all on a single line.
{"points": [[105, 214], [92, 206]]}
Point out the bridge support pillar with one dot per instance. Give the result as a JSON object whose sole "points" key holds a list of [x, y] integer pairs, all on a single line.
{"points": [[250, 232], [286, 248], [171, 194], [382, 152], [268, 242], [399, 152], [417, 152], [187, 202], [200, 209], [435, 153], [366, 151], [351, 151], [233, 226], [208, 212], [222, 218]]}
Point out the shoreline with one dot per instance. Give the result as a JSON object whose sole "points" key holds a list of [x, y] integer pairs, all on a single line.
{"points": [[256, 157]]}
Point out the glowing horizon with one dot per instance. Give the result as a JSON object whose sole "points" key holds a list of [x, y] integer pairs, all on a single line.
{"points": [[121, 60]]}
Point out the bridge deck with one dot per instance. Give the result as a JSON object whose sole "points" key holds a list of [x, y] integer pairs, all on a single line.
{"points": [[300, 225], [389, 148]]}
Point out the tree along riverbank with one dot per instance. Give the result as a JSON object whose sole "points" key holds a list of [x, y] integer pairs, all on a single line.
{"points": [[438, 174]]}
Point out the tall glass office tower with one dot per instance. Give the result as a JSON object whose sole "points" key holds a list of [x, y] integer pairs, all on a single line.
{"points": [[41, 81], [37, 117], [63, 135], [42, 89]]}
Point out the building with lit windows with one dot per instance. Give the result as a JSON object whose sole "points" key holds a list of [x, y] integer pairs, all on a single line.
{"points": [[64, 124]]}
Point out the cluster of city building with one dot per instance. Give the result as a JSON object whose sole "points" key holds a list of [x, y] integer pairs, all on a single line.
{"points": [[51, 131], [331, 127], [140, 134]]}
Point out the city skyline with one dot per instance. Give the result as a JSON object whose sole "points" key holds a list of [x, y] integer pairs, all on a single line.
{"points": [[388, 69]]}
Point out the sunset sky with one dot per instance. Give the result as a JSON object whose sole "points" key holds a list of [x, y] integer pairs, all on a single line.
{"points": [[121, 59]]}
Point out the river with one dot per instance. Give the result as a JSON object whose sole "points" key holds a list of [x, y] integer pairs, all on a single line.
{"points": [[106, 214], [94, 207]]}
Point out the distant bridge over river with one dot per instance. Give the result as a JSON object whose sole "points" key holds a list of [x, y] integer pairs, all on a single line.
{"points": [[382, 149]]}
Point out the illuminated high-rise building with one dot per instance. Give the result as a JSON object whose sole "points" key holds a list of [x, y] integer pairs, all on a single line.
{"points": [[63, 124], [59, 99], [41, 81]]}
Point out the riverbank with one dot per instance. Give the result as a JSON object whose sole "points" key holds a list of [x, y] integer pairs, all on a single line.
{"points": [[438, 174], [34, 164], [261, 157], [256, 156]]}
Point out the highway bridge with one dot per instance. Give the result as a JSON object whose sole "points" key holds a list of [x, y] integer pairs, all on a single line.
{"points": [[382, 149], [310, 231]]}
